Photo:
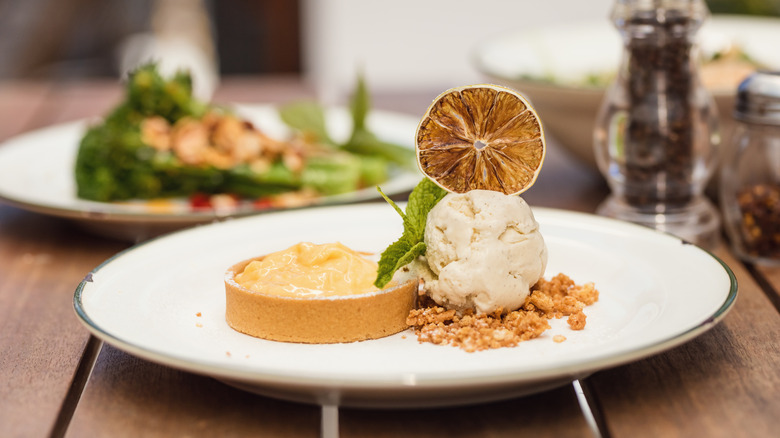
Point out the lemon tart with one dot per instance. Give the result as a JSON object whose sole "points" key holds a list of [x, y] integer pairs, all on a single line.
{"points": [[314, 294]]}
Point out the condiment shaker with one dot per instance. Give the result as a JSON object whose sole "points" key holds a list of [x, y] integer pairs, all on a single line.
{"points": [[656, 135], [749, 186]]}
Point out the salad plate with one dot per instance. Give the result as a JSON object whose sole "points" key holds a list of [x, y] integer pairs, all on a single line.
{"points": [[164, 301], [37, 174]]}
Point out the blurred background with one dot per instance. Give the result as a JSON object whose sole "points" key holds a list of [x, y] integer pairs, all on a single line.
{"points": [[559, 53], [399, 44]]}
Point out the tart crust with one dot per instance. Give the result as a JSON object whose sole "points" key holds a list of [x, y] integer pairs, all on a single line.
{"points": [[318, 320]]}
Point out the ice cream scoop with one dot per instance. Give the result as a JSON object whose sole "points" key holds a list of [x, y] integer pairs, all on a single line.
{"points": [[484, 251]]}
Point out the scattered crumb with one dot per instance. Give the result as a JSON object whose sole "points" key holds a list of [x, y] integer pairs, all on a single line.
{"points": [[198, 314], [199, 325], [554, 298], [577, 320], [246, 357], [227, 353]]}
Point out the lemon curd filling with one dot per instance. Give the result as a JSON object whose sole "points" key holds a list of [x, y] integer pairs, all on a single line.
{"points": [[310, 270]]}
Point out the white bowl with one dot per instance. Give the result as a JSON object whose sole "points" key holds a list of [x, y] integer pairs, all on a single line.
{"points": [[551, 67]]}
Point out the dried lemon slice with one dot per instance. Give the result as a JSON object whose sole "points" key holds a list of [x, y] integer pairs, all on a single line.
{"points": [[483, 137]]}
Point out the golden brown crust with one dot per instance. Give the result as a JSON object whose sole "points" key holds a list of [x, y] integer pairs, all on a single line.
{"points": [[317, 320]]}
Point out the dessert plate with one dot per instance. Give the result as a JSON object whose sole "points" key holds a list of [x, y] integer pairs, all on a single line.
{"points": [[164, 301], [36, 173]]}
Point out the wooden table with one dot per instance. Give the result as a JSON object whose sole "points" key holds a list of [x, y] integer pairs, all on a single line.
{"points": [[57, 380]]}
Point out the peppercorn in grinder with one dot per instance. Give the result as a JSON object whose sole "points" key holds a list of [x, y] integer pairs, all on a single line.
{"points": [[656, 134]]}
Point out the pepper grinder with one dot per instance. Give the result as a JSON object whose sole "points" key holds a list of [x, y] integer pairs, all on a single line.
{"points": [[656, 133]]}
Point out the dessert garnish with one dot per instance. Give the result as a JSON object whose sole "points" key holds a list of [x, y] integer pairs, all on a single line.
{"points": [[481, 137], [474, 245], [411, 244]]}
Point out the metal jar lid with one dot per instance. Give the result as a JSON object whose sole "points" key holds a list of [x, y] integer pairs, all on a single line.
{"points": [[758, 98]]}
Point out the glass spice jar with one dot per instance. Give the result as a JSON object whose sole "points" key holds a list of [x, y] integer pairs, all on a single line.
{"points": [[749, 186], [656, 133]]}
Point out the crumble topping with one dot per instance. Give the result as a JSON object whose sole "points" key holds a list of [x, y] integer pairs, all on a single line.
{"points": [[554, 298]]}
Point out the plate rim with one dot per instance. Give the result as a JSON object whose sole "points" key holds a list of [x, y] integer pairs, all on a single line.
{"points": [[570, 368]]}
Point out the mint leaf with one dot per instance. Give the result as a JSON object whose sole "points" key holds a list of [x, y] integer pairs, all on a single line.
{"points": [[411, 244], [397, 255], [392, 203], [422, 199]]}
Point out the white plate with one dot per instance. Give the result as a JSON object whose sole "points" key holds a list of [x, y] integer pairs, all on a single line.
{"points": [[37, 173], [565, 55], [656, 292]]}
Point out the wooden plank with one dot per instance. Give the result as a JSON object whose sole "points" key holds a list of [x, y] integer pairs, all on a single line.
{"points": [[772, 275], [554, 413], [130, 397], [19, 103], [769, 277], [73, 100], [722, 384], [565, 183], [272, 89], [42, 260]]}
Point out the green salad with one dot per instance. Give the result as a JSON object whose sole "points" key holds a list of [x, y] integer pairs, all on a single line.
{"points": [[161, 142]]}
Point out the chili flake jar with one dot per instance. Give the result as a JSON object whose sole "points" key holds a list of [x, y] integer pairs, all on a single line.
{"points": [[750, 174]]}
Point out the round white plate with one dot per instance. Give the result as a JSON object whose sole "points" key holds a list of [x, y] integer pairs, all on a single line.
{"points": [[164, 301], [37, 173], [565, 55]]}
